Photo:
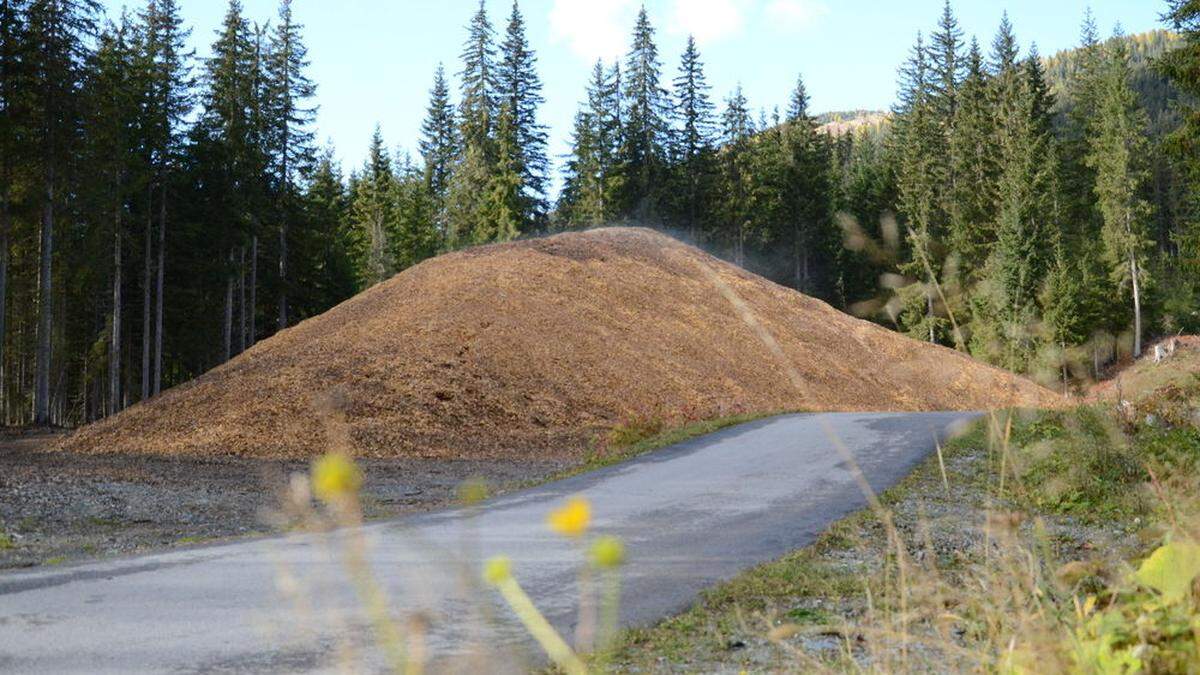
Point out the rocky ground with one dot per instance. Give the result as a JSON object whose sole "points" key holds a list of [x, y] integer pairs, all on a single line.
{"points": [[57, 507]]}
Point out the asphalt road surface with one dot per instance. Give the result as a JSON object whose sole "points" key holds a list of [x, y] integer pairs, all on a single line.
{"points": [[691, 515]]}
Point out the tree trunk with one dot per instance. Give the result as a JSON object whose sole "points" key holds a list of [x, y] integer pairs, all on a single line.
{"points": [[41, 397], [283, 275], [929, 314], [241, 284], [114, 354], [253, 337], [229, 310], [287, 184], [147, 272], [158, 287], [5, 228], [1137, 308]]}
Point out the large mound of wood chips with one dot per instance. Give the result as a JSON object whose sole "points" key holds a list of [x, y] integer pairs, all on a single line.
{"points": [[531, 348]]}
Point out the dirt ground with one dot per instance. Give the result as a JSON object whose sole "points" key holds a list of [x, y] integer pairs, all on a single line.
{"points": [[57, 507]]}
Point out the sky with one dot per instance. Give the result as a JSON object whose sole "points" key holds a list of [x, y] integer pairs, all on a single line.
{"points": [[373, 60]]}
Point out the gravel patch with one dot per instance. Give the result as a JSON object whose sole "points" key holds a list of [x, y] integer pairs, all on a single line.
{"points": [[59, 506]]}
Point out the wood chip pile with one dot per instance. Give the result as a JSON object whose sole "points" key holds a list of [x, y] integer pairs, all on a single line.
{"points": [[531, 348]]}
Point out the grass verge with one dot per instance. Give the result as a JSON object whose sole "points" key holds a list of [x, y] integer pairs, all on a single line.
{"points": [[1058, 542]]}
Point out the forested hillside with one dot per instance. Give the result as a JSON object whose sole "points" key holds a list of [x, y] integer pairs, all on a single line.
{"points": [[160, 214]]}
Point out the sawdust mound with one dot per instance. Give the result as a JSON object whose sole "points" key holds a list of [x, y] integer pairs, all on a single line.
{"points": [[530, 348]]}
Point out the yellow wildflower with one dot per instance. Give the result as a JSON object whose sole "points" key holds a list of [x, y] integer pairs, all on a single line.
{"points": [[572, 519], [608, 552], [335, 476], [497, 570]]}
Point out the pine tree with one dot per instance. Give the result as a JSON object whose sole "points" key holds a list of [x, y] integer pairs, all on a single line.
{"points": [[643, 154], [693, 152], [439, 137], [520, 88], [290, 136], [1118, 154]]}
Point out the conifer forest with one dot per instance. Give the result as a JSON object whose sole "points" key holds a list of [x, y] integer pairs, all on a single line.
{"points": [[161, 213]]}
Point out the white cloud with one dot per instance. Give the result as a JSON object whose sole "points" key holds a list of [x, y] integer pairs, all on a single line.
{"points": [[593, 29], [795, 14], [708, 20]]}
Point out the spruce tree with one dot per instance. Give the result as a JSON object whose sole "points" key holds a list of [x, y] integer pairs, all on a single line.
{"points": [[12, 94], [946, 66], [737, 129], [291, 138], [592, 179], [1078, 179], [1182, 66], [1063, 301], [577, 200], [643, 154], [807, 193], [1118, 155], [373, 215], [693, 141], [439, 137], [416, 236], [916, 137], [520, 88], [1026, 223], [479, 106], [116, 97], [972, 199], [1005, 50], [57, 34], [505, 199], [581, 201], [325, 273], [475, 212], [226, 148], [170, 103]]}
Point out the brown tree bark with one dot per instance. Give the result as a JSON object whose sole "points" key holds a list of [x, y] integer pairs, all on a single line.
{"points": [[158, 287], [114, 353], [41, 398], [147, 272]]}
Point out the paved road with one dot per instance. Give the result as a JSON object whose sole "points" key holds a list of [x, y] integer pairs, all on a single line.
{"points": [[692, 515]]}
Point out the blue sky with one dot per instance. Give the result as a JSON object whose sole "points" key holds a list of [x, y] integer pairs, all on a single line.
{"points": [[373, 60]]}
